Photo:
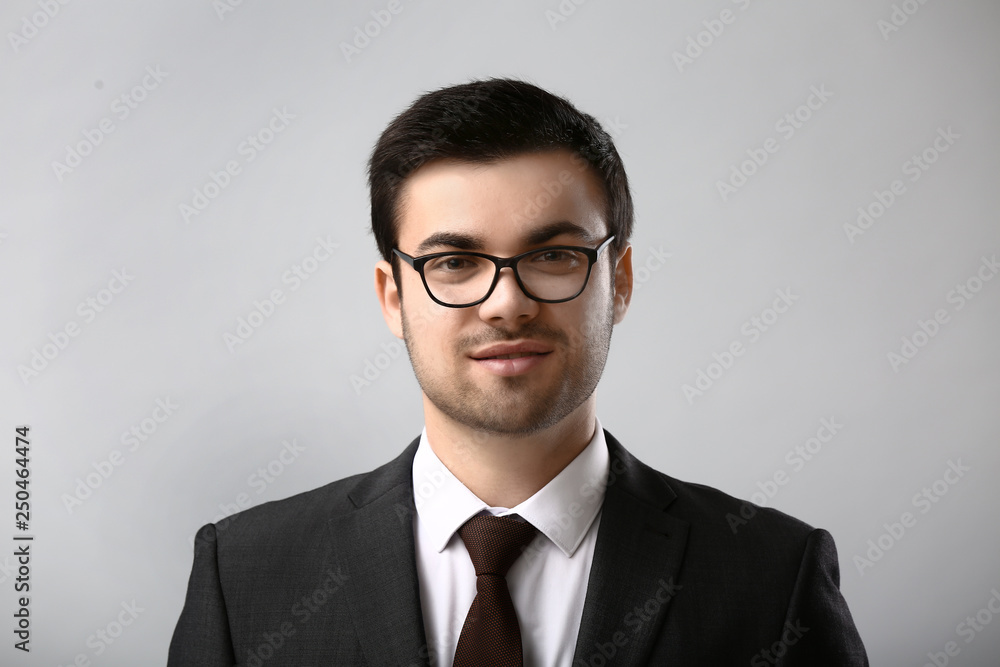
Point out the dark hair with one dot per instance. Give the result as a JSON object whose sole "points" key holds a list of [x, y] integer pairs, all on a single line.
{"points": [[482, 122]]}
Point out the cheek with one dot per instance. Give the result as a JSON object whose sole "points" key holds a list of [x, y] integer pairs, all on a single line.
{"points": [[590, 320], [579, 324], [422, 316], [432, 331]]}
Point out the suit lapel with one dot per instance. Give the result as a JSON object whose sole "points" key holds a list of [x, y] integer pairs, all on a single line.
{"points": [[374, 545], [634, 575], [637, 559]]}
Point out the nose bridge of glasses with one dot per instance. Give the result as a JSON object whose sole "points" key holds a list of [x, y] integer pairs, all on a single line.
{"points": [[507, 263]]}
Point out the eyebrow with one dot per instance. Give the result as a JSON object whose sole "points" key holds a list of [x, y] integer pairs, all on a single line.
{"points": [[536, 236]]}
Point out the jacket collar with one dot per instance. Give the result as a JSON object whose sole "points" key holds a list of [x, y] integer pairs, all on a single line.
{"points": [[373, 544], [637, 560], [633, 578]]}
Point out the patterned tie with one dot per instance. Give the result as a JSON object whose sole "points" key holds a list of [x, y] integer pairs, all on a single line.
{"points": [[491, 636]]}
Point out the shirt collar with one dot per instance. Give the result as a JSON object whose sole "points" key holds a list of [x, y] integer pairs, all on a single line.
{"points": [[562, 510]]}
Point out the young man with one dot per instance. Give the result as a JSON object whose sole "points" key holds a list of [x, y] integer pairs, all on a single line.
{"points": [[515, 529]]}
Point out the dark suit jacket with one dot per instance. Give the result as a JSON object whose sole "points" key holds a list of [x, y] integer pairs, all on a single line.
{"points": [[328, 577]]}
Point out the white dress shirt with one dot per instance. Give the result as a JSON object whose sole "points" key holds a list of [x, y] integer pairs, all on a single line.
{"points": [[548, 583]]}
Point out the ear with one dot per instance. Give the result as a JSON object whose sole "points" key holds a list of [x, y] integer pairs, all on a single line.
{"points": [[623, 283], [388, 297]]}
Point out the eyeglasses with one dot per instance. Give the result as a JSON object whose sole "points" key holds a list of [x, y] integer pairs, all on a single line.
{"points": [[552, 274]]}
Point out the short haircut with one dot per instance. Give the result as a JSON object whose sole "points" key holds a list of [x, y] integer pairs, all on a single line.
{"points": [[482, 122]]}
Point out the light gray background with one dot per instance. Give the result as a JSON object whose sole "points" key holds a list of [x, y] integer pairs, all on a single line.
{"points": [[679, 130]]}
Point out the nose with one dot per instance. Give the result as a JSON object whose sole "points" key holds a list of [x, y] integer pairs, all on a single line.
{"points": [[507, 301]]}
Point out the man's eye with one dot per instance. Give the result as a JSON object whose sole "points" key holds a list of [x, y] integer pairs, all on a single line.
{"points": [[451, 264], [559, 257]]}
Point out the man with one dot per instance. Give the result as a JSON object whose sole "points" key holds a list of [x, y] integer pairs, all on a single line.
{"points": [[514, 529]]}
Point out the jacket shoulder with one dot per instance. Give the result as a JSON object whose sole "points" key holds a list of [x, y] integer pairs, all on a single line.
{"points": [[304, 517], [716, 510], [759, 552], [751, 571], [303, 512], [710, 512]]}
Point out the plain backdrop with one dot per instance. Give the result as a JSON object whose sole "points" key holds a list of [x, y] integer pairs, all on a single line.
{"points": [[842, 154]]}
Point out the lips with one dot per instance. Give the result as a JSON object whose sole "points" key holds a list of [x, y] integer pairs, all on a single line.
{"points": [[515, 363], [511, 350], [516, 355]]}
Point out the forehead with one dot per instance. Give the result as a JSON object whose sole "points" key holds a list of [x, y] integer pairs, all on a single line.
{"points": [[504, 205]]}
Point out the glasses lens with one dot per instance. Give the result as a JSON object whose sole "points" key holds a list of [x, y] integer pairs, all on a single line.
{"points": [[554, 274], [458, 279]]}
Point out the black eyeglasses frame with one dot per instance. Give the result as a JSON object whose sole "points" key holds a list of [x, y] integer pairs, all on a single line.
{"points": [[417, 263]]}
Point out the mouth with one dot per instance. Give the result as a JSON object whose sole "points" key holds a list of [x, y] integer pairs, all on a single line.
{"points": [[512, 350], [512, 358], [515, 363], [515, 355]]}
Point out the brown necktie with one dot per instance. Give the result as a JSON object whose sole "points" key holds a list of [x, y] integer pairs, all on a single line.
{"points": [[491, 635]]}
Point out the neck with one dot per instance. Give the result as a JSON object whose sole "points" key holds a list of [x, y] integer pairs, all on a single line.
{"points": [[503, 470]]}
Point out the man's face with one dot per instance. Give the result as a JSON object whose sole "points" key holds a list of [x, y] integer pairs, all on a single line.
{"points": [[496, 209]]}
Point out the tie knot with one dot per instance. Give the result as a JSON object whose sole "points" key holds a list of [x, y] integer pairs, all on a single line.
{"points": [[495, 542]]}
